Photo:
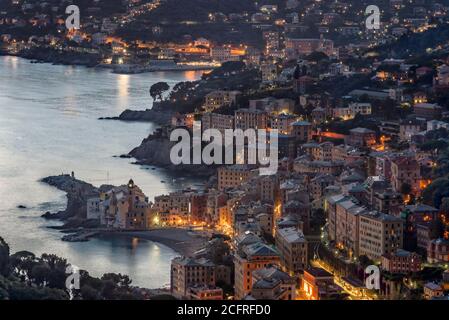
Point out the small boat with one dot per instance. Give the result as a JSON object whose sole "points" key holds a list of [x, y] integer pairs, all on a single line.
{"points": [[162, 181]]}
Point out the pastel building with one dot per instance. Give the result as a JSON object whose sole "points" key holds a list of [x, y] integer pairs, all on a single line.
{"points": [[248, 259]]}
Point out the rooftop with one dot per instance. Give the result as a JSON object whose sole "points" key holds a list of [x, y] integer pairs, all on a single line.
{"points": [[292, 235], [259, 249], [301, 123], [186, 261], [318, 272], [361, 130]]}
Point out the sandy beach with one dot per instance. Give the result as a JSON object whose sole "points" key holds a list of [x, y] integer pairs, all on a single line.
{"points": [[185, 242]]}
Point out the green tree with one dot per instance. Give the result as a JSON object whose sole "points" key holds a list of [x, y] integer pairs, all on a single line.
{"points": [[435, 192], [122, 281], [445, 204], [158, 89], [40, 274], [89, 293], [4, 257], [365, 261]]}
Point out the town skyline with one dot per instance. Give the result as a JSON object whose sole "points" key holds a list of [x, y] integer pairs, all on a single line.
{"points": [[357, 177]]}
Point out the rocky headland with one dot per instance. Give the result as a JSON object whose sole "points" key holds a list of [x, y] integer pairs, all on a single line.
{"points": [[44, 55], [155, 150], [148, 115], [77, 193]]}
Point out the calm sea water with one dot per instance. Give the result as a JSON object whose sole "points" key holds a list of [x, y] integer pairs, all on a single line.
{"points": [[48, 126]]}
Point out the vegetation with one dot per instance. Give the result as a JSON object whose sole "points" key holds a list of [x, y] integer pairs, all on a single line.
{"points": [[436, 191], [416, 43], [189, 96], [158, 89], [24, 276]]}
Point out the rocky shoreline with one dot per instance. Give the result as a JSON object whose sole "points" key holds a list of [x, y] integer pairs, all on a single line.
{"points": [[58, 58], [78, 229], [155, 150], [77, 193], [148, 115]]}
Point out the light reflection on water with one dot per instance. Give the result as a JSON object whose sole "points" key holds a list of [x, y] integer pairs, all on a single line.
{"points": [[48, 125]]}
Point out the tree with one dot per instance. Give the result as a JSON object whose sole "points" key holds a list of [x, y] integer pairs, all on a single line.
{"points": [[122, 281], [435, 192], [445, 204], [158, 89], [89, 293], [317, 56], [365, 261], [22, 263], [40, 274], [27, 277], [4, 257], [57, 275]]}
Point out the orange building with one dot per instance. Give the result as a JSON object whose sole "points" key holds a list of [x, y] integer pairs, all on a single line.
{"points": [[247, 259], [317, 284]]}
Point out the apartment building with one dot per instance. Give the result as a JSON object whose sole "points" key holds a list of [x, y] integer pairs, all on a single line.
{"points": [[269, 71], [221, 122], [248, 118], [273, 272], [361, 137], [188, 272], [301, 47], [401, 261], [219, 98], [318, 284], [438, 251], [302, 131], [330, 208], [428, 111], [409, 128], [379, 234], [204, 292], [323, 151], [223, 54], [405, 170], [347, 224], [248, 259], [124, 207], [292, 246], [352, 110], [176, 203], [283, 123], [268, 289], [233, 176]]}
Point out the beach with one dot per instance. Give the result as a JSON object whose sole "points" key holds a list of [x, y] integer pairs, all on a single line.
{"points": [[184, 242]]}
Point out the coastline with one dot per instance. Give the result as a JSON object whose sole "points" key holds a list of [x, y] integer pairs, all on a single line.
{"points": [[90, 60], [149, 115], [183, 242]]}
